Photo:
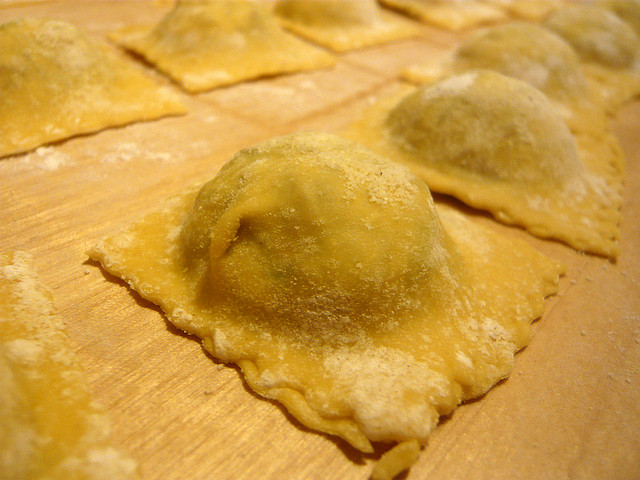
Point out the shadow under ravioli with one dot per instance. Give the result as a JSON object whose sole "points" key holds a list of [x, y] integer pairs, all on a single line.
{"points": [[498, 144], [56, 82], [207, 44], [328, 275]]}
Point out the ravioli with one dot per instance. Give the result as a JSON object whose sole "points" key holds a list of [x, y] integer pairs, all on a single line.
{"points": [[627, 10], [609, 48], [342, 25], [329, 276], [450, 14], [528, 9], [203, 44], [531, 53], [498, 144], [56, 82], [50, 427]]}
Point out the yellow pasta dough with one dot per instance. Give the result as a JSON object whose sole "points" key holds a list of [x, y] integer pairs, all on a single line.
{"points": [[608, 47], [449, 14], [527, 9], [203, 44], [342, 24], [531, 53], [498, 144], [56, 82], [50, 428], [396, 460], [328, 275], [627, 10]]}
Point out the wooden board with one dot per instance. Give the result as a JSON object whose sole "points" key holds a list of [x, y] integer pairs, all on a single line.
{"points": [[571, 408]]}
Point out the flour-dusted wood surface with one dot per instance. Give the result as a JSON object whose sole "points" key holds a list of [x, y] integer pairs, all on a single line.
{"points": [[570, 410]]}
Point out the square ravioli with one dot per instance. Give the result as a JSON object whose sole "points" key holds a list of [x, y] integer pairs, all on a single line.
{"points": [[498, 144], [56, 82], [586, 93], [607, 46], [204, 44], [452, 15], [342, 25], [330, 277], [531, 10]]}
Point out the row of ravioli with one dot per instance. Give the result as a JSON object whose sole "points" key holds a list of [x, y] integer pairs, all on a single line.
{"points": [[566, 183], [513, 121], [337, 284]]}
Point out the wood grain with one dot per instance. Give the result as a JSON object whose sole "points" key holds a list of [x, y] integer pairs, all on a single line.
{"points": [[571, 408]]}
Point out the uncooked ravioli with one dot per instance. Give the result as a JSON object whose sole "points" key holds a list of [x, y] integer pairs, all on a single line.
{"points": [[56, 82], [449, 14], [608, 47], [531, 53], [627, 10], [498, 144], [342, 24], [328, 275], [527, 9], [50, 426], [203, 44]]}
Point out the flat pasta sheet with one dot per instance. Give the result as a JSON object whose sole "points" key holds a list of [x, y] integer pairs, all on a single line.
{"points": [[56, 82], [207, 44], [328, 275], [499, 145], [342, 25], [50, 426]]}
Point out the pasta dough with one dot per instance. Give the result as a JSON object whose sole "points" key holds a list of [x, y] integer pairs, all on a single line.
{"points": [[449, 14], [203, 44], [328, 275], [607, 45], [528, 9], [56, 82], [531, 53], [498, 144], [627, 10], [342, 24], [50, 428]]}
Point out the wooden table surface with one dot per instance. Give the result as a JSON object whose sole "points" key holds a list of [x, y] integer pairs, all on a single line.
{"points": [[570, 410]]}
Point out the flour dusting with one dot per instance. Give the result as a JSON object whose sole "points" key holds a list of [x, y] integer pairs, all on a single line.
{"points": [[130, 151]]}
